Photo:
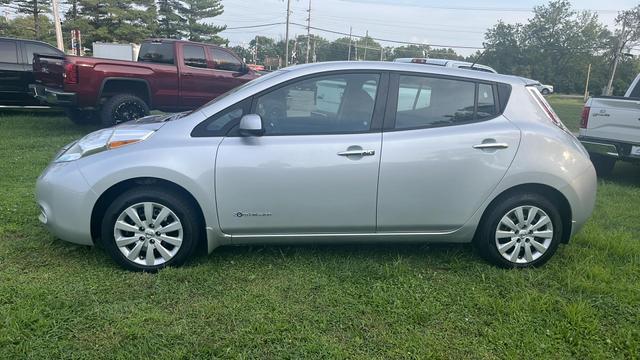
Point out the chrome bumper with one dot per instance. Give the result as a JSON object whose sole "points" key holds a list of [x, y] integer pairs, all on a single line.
{"points": [[594, 147], [52, 96]]}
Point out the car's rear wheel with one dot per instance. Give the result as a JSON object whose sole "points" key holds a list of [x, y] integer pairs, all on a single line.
{"points": [[146, 229], [522, 230], [122, 108], [604, 165]]}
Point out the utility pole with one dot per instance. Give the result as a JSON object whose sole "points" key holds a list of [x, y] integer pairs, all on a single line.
{"points": [[586, 86], [286, 36], [308, 32], [366, 45], [381, 52], [349, 55], [616, 59], [255, 54], [56, 23]]}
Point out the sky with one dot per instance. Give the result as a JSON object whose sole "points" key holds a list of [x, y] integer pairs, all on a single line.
{"points": [[451, 23]]}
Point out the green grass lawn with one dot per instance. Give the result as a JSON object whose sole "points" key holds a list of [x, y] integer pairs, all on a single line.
{"points": [[59, 300]]}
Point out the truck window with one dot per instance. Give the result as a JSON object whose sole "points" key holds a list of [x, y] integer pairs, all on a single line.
{"points": [[194, 56], [160, 53], [224, 60], [32, 48], [8, 52]]}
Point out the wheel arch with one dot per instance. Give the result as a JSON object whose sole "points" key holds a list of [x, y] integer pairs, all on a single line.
{"points": [[107, 197], [550, 193], [120, 85]]}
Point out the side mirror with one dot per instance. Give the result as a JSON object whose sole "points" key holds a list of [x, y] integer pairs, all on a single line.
{"points": [[244, 68], [251, 125]]}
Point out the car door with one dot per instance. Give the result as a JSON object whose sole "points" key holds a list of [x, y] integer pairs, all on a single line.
{"points": [[198, 83], [315, 169], [445, 148], [11, 73]]}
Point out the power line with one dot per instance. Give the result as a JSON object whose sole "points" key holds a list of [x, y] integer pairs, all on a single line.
{"points": [[254, 26], [392, 41]]}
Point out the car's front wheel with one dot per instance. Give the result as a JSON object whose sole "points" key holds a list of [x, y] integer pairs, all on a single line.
{"points": [[148, 228], [522, 230], [546, 92]]}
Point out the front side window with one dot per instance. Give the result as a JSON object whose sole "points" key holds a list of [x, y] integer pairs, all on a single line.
{"points": [[322, 105], [194, 56], [426, 102], [221, 123], [8, 52], [225, 61]]}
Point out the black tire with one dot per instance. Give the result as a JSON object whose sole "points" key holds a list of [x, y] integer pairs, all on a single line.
{"points": [[485, 240], [81, 117], [121, 108], [604, 165], [181, 207], [545, 91]]}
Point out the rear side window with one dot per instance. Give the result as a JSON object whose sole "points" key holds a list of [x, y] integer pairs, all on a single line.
{"points": [[486, 102], [8, 52], [428, 102], [159, 53], [32, 48], [194, 56], [223, 60]]}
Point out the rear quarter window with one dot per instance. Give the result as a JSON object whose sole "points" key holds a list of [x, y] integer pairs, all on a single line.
{"points": [[159, 53]]}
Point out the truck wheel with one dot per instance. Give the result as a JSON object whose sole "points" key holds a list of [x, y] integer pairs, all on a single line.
{"points": [[121, 108], [80, 117], [604, 165], [545, 91]]}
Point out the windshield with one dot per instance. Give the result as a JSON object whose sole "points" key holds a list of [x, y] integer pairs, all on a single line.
{"points": [[249, 84]]}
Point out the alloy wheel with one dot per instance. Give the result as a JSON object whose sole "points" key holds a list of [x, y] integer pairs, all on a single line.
{"points": [[524, 234], [148, 233]]}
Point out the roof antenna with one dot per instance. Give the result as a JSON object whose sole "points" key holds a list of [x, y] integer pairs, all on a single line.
{"points": [[479, 57]]}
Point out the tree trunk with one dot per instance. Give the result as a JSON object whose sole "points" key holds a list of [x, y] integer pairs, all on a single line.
{"points": [[36, 25]]}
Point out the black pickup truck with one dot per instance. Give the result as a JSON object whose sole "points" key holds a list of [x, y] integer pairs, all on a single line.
{"points": [[16, 70]]}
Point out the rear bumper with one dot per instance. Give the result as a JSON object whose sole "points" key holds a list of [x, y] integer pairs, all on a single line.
{"points": [[53, 96], [609, 148]]}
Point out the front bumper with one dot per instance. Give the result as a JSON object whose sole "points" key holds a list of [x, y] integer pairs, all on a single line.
{"points": [[65, 201], [53, 96], [609, 148]]}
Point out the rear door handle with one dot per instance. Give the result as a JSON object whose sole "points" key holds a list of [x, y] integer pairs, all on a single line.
{"points": [[491, 145], [357, 153]]}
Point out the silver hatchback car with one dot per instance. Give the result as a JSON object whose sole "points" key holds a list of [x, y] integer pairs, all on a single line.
{"points": [[330, 152]]}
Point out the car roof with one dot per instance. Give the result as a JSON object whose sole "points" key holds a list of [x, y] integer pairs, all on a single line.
{"points": [[404, 67], [163, 40]]}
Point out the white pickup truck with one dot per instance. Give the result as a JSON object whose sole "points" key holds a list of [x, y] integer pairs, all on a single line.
{"points": [[610, 128]]}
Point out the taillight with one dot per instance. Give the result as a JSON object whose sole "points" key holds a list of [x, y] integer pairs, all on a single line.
{"points": [[584, 118], [70, 73]]}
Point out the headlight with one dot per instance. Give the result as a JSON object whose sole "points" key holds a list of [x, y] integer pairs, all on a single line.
{"points": [[102, 140]]}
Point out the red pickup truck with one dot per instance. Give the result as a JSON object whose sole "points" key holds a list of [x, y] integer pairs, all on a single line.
{"points": [[170, 75]]}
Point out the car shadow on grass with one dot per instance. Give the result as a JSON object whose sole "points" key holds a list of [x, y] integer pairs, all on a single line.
{"points": [[624, 173]]}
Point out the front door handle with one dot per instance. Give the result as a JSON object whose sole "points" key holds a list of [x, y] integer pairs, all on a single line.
{"points": [[491, 145], [357, 153]]}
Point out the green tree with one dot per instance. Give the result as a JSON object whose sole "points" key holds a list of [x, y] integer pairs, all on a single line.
{"points": [[171, 24], [410, 51], [36, 9], [23, 27], [112, 20], [195, 12]]}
